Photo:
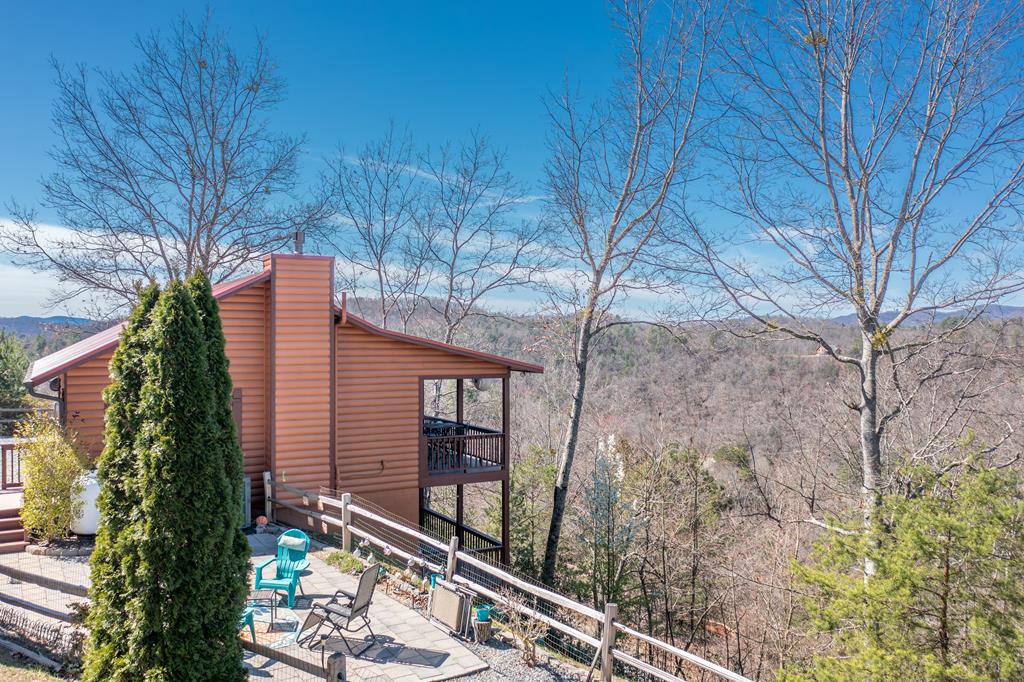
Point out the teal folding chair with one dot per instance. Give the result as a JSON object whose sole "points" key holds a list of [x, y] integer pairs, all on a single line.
{"points": [[290, 562]]}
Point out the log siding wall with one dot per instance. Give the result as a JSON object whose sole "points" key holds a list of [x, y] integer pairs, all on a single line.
{"points": [[378, 413], [243, 318]]}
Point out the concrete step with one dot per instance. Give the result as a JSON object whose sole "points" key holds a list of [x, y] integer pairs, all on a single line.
{"points": [[47, 602], [10, 523], [13, 546], [12, 535]]}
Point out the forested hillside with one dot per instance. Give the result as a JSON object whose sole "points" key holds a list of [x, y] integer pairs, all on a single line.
{"points": [[718, 466]]}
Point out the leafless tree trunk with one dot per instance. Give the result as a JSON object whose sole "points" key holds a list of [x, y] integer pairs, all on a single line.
{"points": [[878, 153], [475, 246], [164, 169], [380, 201], [612, 166]]}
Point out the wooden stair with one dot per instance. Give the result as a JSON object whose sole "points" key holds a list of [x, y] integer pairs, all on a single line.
{"points": [[12, 534]]}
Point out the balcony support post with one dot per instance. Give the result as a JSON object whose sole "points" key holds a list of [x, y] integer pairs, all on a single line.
{"points": [[460, 514], [506, 466], [460, 418]]}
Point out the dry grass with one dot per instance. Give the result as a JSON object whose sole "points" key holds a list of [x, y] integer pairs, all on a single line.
{"points": [[14, 670]]}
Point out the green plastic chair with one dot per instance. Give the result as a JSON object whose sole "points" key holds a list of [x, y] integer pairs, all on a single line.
{"points": [[291, 561], [247, 621]]}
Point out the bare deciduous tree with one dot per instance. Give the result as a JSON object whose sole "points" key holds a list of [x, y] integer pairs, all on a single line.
{"points": [[878, 153], [164, 169], [475, 245], [380, 207], [612, 166]]}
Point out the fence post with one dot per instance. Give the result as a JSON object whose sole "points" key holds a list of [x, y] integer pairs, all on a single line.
{"points": [[336, 668], [268, 505], [611, 611], [346, 521], [453, 547]]}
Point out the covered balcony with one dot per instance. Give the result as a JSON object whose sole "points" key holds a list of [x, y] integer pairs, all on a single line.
{"points": [[457, 448], [453, 450], [464, 457]]}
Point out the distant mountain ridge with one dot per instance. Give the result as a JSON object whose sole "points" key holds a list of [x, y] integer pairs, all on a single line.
{"points": [[995, 312], [27, 325]]}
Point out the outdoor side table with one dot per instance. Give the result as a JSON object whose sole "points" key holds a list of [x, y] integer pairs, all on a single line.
{"points": [[265, 598]]}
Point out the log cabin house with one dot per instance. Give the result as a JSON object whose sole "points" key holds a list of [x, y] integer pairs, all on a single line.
{"points": [[325, 399]]}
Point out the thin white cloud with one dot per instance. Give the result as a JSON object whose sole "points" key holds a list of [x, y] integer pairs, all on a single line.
{"points": [[23, 292]]}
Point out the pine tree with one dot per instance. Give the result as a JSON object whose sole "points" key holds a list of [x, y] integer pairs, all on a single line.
{"points": [[183, 633], [947, 599], [106, 649], [13, 363]]}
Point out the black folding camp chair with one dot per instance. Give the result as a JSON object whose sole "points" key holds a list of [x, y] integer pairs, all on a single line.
{"points": [[344, 613]]}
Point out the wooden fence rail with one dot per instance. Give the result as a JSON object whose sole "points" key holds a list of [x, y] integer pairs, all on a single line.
{"points": [[342, 512]]}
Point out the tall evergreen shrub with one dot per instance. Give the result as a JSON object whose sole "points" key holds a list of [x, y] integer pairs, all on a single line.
{"points": [[114, 559], [225, 450], [187, 561]]}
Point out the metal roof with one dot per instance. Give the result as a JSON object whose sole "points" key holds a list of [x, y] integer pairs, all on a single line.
{"points": [[58, 362]]}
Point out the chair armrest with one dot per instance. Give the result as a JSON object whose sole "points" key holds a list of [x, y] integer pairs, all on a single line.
{"points": [[261, 566], [302, 565], [349, 596]]}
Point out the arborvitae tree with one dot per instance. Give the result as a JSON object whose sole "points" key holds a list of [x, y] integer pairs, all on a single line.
{"points": [[113, 558], [224, 447], [184, 579]]}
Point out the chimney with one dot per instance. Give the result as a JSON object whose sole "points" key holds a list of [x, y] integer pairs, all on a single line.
{"points": [[301, 367]]}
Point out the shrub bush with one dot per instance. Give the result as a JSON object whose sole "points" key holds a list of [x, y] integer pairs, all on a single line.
{"points": [[52, 465], [344, 562]]}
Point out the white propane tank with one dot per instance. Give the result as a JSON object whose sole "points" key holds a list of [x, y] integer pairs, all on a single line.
{"points": [[88, 519]]}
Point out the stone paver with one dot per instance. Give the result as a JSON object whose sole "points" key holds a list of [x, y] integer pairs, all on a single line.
{"points": [[410, 647]]}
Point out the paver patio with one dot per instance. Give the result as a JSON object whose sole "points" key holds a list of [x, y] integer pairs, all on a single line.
{"points": [[409, 647]]}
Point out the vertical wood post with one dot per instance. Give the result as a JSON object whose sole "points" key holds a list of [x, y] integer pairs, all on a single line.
{"points": [[506, 465], [460, 443], [453, 547], [611, 611], [506, 494], [268, 505], [460, 515], [346, 522]]}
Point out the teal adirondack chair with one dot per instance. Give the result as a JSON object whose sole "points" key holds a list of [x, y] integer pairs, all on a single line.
{"points": [[290, 562], [247, 621]]}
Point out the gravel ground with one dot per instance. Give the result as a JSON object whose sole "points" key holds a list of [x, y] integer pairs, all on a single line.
{"points": [[506, 663]]}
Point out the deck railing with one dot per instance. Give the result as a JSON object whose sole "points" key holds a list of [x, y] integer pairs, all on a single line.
{"points": [[10, 464], [442, 527], [457, 448], [616, 646]]}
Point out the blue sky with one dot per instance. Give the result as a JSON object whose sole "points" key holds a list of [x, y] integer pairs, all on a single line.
{"points": [[442, 68]]}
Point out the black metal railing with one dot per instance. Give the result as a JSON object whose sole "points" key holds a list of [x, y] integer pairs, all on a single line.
{"points": [[453, 447], [443, 527]]}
